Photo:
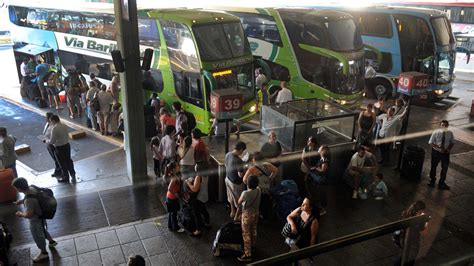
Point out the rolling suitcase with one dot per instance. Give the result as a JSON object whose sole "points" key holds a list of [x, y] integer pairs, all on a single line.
{"points": [[7, 192], [228, 238]]}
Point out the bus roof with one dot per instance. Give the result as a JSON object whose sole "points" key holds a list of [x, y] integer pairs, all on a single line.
{"points": [[191, 16], [415, 11], [317, 12]]}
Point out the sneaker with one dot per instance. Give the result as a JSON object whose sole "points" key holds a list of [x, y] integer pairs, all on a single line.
{"points": [[244, 258], [443, 187], [378, 198], [354, 194], [52, 244], [41, 257], [181, 230]]}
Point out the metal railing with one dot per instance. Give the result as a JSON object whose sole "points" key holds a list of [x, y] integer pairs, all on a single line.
{"points": [[294, 256]]}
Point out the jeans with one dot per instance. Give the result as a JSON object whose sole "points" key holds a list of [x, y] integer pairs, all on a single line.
{"points": [[38, 233], [436, 157]]}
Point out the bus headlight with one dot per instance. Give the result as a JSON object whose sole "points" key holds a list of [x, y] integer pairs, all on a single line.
{"points": [[341, 102], [438, 92], [253, 108]]}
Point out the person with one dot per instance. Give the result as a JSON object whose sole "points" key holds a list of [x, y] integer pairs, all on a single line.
{"points": [[48, 127], [186, 158], [411, 237], [38, 226], [8, 154], [388, 131], [441, 141], [93, 77], [113, 89], [148, 82], [234, 168], [155, 103], [41, 70], [201, 151], [53, 89], [356, 169], [265, 173], [304, 222], [154, 146], [166, 119], [172, 197], [272, 150], [73, 87], [25, 72], [260, 78], [366, 124], [309, 156], [92, 112], [103, 114], [60, 139], [370, 74], [250, 202], [317, 176], [284, 94], [191, 190], [378, 188], [167, 149], [136, 260], [203, 194], [181, 119], [114, 119]]}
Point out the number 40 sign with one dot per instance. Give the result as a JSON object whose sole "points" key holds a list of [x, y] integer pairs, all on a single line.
{"points": [[226, 104], [412, 83]]}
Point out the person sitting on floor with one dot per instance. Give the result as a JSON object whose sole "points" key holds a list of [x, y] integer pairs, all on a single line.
{"points": [[378, 188]]}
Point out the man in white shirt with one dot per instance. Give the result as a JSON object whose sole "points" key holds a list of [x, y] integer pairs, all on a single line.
{"points": [[7, 150], [60, 139], [48, 128], [370, 72], [25, 75], [355, 169], [388, 131], [103, 115], [441, 141], [284, 95], [92, 93]]}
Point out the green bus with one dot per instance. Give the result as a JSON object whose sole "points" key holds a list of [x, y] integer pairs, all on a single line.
{"points": [[195, 51], [318, 52]]}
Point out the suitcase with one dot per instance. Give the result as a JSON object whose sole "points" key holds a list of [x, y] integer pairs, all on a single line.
{"points": [[228, 238], [186, 218], [5, 240], [7, 192]]}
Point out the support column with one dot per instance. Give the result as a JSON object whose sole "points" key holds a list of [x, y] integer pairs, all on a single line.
{"points": [[126, 24]]}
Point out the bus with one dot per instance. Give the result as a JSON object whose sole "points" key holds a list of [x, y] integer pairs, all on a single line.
{"points": [[318, 52], [195, 51], [410, 39]]}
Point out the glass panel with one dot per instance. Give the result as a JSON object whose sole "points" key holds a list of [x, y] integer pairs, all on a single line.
{"points": [[212, 43], [442, 31], [445, 67], [374, 24], [344, 35], [237, 41], [148, 33], [239, 78], [181, 49], [261, 27]]}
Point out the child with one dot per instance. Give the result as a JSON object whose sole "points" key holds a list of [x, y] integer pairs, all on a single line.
{"points": [[155, 145], [172, 198], [378, 187]]}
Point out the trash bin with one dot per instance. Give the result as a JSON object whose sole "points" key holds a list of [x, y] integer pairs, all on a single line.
{"points": [[412, 163]]}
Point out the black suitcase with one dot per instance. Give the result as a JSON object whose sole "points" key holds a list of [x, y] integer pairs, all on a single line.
{"points": [[5, 240], [41, 103], [228, 238]]}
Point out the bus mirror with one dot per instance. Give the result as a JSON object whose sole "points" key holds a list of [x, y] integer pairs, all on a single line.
{"points": [[118, 61], [147, 57], [330, 54], [466, 51], [376, 51]]}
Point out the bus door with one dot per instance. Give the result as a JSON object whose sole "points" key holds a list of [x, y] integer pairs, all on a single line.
{"points": [[35, 52], [193, 94]]}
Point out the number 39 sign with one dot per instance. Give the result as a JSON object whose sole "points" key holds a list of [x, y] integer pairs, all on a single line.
{"points": [[226, 104], [412, 83]]}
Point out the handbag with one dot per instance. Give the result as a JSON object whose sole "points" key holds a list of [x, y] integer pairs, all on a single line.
{"points": [[290, 238]]}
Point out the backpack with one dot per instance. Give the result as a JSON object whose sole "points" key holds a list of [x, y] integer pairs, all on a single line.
{"points": [[46, 200], [191, 120]]}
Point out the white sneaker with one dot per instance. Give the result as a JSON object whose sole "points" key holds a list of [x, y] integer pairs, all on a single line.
{"points": [[322, 212], [378, 198], [181, 230], [41, 257], [354, 194]]}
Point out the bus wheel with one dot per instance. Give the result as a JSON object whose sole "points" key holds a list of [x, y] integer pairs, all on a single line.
{"points": [[382, 89]]}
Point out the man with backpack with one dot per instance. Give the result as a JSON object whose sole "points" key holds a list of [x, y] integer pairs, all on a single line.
{"points": [[185, 121], [39, 205]]}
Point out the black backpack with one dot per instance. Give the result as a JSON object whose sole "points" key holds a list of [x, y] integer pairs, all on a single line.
{"points": [[46, 200], [191, 120]]}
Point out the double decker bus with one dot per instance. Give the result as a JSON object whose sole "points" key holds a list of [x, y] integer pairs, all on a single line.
{"points": [[195, 51], [410, 39], [318, 52]]}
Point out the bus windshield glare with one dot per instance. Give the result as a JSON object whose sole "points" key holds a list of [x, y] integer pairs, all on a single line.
{"points": [[442, 31], [221, 41], [344, 35], [239, 78]]}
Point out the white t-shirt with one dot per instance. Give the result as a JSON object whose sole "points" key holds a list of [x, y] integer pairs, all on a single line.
{"points": [[284, 95], [105, 100], [357, 161]]}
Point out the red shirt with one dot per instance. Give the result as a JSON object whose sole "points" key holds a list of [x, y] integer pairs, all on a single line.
{"points": [[200, 151], [168, 120], [173, 189]]}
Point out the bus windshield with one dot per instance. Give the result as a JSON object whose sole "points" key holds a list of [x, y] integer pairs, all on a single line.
{"points": [[221, 41], [442, 31], [239, 78], [344, 35]]}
